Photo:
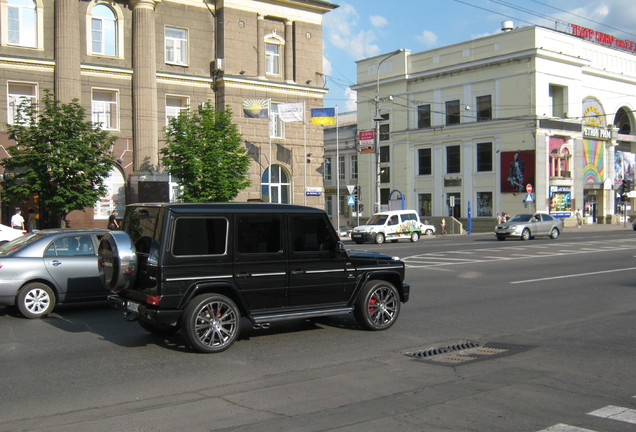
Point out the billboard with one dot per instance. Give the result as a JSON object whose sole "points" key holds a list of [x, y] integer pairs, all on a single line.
{"points": [[517, 170]]}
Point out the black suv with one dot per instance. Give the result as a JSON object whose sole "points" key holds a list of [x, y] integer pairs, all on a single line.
{"points": [[201, 267]]}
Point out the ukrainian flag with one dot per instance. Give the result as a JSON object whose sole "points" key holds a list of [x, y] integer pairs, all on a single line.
{"points": [[323, 116]]}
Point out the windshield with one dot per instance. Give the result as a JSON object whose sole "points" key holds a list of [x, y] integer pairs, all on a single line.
{"points": [[16, 244], [521, 218], [377, 219]]}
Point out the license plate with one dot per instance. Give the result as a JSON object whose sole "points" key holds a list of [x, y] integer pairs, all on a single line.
{"points": [[132, 307], [356, 235]]}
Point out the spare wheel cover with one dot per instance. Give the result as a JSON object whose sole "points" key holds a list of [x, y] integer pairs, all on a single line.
{"points": [[117, 260]]}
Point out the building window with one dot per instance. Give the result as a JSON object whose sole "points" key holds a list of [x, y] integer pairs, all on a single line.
{"points": [[385, 174], [276, 126], [19, 93], [385, 154], [453, 159], [484, 108], [341, 167], [385, 130], [329, 204], [103, 31], [353, 162], [424, 116], [557, 95], [174, 106], [176, 44], [104, 109], [327, 169], [272, 58], [275, 189], [21, 23], [452, 112], [484, 157], [425, 204], [425, 166], [484, 204]]}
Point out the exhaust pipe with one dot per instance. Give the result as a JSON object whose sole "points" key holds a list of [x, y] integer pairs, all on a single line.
{"points": [[263, 326]]}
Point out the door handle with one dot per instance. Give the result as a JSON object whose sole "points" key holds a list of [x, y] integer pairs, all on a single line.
{"points": [[243, 274], [55, 263], [297, 272]]}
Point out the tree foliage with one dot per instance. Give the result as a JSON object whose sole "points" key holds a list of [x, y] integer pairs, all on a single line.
{"points": [[204, 152], [59, 156]]}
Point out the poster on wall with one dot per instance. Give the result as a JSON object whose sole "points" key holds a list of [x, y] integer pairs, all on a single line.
{"points": [[115, 198], [623, 167], [517, 170], [484, 204], [594, 161], [561, 201]]}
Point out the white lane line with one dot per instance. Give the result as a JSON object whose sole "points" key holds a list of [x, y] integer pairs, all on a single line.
{"points": [[626, 415], [565, 428], [573, 275]]}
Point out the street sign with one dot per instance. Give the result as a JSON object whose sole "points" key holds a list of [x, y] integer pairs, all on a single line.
{"points": [[351, 200], [529, 197], [366, 140], [351, 189], [529, 188]]}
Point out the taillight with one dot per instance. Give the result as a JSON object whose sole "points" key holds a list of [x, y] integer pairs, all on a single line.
{"points": [[152, 299]]}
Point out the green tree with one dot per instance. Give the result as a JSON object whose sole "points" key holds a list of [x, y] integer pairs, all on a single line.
{"points": [[204, 152], [59, 156]]}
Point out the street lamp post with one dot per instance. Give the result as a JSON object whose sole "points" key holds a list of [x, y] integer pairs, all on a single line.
{"points": [[377, 119]]}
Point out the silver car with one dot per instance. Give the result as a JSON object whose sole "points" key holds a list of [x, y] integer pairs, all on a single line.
{"points": [[529, 225], [39, 270]]}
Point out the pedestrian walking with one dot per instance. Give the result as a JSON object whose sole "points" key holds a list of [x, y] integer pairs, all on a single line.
{"points": [[442, 226], [17, 221], [579, 218], [112, 221]]}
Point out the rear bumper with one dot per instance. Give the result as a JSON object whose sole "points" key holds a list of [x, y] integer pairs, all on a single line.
{"points": [[145, 312]]}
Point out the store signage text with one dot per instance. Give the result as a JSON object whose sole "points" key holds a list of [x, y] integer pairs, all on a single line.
{"points": [[593, 132], [603, 38]]}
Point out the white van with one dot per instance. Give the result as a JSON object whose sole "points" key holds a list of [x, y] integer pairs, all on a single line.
{"points": [[392, 225]]}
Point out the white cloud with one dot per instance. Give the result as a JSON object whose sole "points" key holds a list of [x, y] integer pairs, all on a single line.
{"points": [[378, 21], [343, 32], [326, 66], [351, 103], [427, 38]]}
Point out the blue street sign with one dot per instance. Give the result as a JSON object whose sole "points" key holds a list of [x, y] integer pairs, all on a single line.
{"points": [[529, 198], [351, 200]]}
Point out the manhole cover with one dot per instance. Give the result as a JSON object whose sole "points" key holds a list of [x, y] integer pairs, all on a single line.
{"points": [[464, 352]]}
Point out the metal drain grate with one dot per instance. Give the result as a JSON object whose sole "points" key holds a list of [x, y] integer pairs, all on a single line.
{"points": [[431, 352], [464, 352]]}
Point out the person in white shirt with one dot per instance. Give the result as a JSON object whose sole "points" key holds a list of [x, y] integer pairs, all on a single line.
{"points": [[17, 221]]}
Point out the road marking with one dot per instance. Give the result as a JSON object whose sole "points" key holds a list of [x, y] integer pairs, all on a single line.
{"points": [[565, 428], [573, 275], [626, 415]]}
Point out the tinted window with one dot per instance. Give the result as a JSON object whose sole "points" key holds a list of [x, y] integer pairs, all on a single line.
{"points": [[259, 234], [424, 159], [310, 233], [71, 246], [200, 236]]}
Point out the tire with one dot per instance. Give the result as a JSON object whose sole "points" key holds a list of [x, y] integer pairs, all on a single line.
{"points": [[525, 234], [428, 232], [554, 233], [415, 236], [158, 329], [501, 238], [117, 261], [379, 238], [36, 300], [377, 306], [211, 323]]}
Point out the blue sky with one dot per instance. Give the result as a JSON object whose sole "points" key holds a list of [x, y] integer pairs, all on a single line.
{"points": [[365, 28]]}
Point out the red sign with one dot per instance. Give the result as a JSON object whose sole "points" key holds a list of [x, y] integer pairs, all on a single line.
{"points": [[366, 140], [529, 188], [603, 38]]}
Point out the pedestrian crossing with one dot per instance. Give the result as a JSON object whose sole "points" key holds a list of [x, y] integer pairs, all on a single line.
{"points": [[524, 251], [627, 416]]}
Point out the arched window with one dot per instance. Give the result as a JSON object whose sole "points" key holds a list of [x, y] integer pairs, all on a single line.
{"points": [[103, 31], [21, 23], [624, 121], [273, 54], [275, 189]]}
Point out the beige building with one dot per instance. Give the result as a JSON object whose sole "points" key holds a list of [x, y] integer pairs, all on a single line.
{"points": [[135, 64], [471, 127]]}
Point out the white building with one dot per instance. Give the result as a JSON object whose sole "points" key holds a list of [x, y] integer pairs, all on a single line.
{"points": [[474, 123]]}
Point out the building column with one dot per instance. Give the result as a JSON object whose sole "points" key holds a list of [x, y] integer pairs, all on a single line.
{"points": [[67, 51], [260, 46], [289, 52]]}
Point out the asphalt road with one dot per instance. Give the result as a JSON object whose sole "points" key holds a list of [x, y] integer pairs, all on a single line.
{"points": [[541, 335]]}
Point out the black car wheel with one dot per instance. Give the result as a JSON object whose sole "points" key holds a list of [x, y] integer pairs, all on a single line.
{"points": [[211, 323], [377, 306], [415, 236], [525, 234], [379, 238], [36, 300], [554, 233]]}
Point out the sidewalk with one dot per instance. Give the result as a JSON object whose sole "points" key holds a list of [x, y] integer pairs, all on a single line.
{"points": [[601, 227]]}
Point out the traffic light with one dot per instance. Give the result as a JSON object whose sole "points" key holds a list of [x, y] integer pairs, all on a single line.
{"points": [[623, 190], [356, 191]]}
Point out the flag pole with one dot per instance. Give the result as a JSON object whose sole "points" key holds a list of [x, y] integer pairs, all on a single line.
{"points": [[305, 153], [337, 175]]}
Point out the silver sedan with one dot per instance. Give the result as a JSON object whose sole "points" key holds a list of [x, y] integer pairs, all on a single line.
{"points": [[39, 270], [528, 226]]}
